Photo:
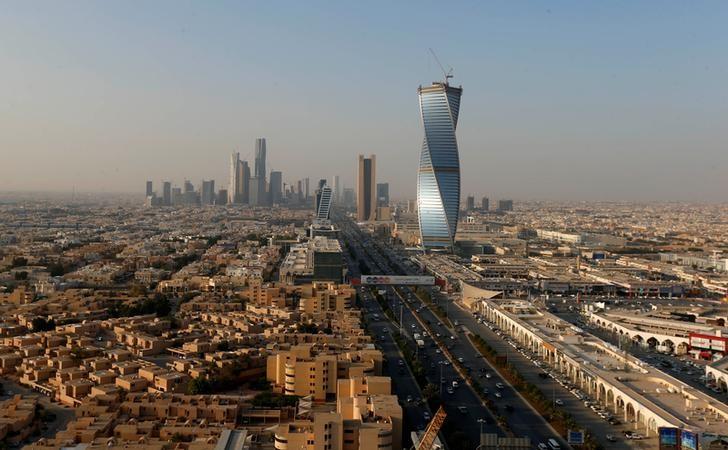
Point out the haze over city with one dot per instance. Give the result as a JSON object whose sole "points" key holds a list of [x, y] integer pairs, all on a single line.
{"points": [[565, 100]]}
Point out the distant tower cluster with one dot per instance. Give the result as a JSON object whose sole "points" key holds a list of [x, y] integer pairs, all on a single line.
{"points": [[243, 188]]}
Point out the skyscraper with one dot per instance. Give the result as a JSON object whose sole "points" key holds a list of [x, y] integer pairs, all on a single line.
{"points": [[382, 194], [233, 192], [253, 193], [366, 200], [323, 207], [438, 178], [348, 197], [222, 197], [150, 189], [505, 205], [276, 186], [485, 204], [207, 195], [470, 203], [260, 171], [336, 190], [243, 186], [166, 193]]}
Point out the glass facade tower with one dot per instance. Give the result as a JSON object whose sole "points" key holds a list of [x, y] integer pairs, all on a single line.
{"points": [[438, 178]]}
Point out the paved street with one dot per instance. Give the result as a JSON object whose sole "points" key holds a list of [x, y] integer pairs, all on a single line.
{"points": [[522, 419]]}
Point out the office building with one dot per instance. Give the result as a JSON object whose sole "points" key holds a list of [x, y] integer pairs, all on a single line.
{"points": [[253, 191], [243, 186], [366, 200], [276, 187], [166, 193], [382, 194], [260, 171], [485, 204], [336, 190], [207, 195], [349, 199], [328, 262], [470, 203], [233, 182], [306, 187], [505, 205], [323, 203], [150, 189], [438, 178], [176, 196], [222, 197]]}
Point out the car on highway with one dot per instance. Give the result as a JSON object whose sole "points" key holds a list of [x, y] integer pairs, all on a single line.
{"points": [[499, 385], [559, 402], [542, 446], [498, 395], [611, 438], [463, 409], [426, 416], [450, 390]]}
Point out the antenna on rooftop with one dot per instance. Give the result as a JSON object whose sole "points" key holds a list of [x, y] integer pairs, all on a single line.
{"points": [[446, 73]]}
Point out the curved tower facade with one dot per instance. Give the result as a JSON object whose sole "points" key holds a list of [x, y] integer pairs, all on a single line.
{"points": [[438, 178]]}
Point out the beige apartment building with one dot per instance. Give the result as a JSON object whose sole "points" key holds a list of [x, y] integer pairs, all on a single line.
{"points": [[306, 370], [367, 417]]}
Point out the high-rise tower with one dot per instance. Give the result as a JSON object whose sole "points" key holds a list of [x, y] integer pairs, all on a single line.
{"points": [[438, 178], [366, 195], [233, 193], [276, 186], [260, 171]]}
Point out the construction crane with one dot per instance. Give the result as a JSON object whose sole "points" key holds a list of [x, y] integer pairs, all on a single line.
{"points": [[432, 429], [446, 73]]}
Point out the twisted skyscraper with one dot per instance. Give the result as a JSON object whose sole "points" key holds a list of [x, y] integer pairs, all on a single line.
{"points": [[438, 178]]}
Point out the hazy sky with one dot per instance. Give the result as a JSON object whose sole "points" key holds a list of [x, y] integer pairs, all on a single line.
{"points": [[562, 100]]}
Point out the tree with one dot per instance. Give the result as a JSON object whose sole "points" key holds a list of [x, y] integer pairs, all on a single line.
{"points": [[19, 261], [21, 276], [223, 346], [41, 324], [199, 386], [56, 270]]}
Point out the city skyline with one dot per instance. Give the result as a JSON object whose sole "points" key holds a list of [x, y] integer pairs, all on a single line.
{"points": [[582, 104]]}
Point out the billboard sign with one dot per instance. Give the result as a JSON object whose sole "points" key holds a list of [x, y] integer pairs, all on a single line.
{"points": [[397, 279], [688, 440], [668, 438], [708, 342], [575, 437]]}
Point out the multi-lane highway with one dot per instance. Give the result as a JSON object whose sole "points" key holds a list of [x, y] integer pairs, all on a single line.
{"points": [[461, 402]]}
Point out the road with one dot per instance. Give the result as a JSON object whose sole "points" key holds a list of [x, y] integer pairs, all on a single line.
{"points": [[522, 419], [583, 415]]}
